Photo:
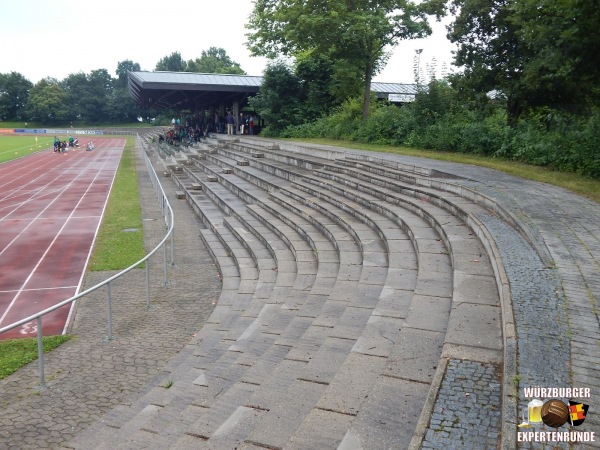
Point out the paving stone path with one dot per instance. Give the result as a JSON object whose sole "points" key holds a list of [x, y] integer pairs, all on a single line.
{"points": [[367, 302]]}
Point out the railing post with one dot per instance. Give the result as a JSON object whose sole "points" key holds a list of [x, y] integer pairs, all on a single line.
{"points": [[148, 283], [109, 305], [172, 239], [40, 346], [165, 262]]}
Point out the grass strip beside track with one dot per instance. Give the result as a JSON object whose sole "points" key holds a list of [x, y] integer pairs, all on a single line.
{"points": [[15, 353], [573, 182], [115, 248]]}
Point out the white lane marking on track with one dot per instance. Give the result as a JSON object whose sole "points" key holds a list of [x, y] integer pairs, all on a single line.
{"points": [[63, 189], [41, 161], [43, 189], [38, 289], [50, 158]]}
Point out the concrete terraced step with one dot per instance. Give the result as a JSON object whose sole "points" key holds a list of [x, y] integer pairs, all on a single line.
{"points": [[341, 345], [475, 286], [436, 358], [388, 333]]}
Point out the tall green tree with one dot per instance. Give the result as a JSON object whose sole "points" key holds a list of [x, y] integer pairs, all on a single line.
{"points": [[316, 75], [564, 44], [280, 99], [534, 52], [14, 91], [121, 106], [88, 95], [101, 87], [171, 63], [122, 68], [214, 60], [47, 102], [77, 89], [357, 32], [490, 52]]}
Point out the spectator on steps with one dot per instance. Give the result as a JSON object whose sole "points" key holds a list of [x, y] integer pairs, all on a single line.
{"points": [[230, 124]]}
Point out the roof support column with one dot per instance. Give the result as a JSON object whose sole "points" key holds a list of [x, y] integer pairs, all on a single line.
{"points": [[236, 113]]}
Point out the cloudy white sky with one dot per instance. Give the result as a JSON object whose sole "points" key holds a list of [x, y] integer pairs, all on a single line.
{"points": [[43, 38]]}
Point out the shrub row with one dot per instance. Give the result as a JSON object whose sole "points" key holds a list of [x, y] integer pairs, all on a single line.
{"points": [[437, 121]]}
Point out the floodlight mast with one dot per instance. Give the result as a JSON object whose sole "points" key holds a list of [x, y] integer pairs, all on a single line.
{"points": [[418, 51]]}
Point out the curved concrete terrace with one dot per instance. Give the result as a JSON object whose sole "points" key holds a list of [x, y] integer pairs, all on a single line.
{"points": [[370, 301]]}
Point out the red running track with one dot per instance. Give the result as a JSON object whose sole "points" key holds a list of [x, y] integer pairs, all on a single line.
{"points": [[51, 205]]}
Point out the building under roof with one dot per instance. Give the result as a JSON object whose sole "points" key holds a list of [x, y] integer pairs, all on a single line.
{"points": [[184, 91]]}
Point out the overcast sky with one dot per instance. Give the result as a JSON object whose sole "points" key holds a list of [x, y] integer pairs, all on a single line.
{"points": [[43, 38]]}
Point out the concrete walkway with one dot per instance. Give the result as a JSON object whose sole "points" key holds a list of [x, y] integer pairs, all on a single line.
{"points": [[365, 304]]}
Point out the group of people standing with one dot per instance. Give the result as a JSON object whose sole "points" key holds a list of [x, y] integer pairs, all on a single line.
{"points": [[245, 124], [198, 126], [61, 146]]}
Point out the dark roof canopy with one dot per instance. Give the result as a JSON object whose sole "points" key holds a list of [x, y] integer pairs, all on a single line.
{"points": [[196, 91], [189, 91]]}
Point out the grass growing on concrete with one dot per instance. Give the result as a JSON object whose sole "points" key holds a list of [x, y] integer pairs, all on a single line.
{"points": [[120, 240], [15, 353], [571, 181]]}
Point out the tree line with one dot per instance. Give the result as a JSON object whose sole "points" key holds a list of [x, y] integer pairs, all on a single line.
{"points": [[94, 97]]}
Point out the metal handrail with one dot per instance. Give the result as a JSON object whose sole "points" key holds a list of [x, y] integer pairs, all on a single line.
{"points": [[167, 212]]}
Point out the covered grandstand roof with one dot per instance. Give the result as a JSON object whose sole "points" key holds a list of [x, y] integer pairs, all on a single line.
{"points": [[185, 90]]}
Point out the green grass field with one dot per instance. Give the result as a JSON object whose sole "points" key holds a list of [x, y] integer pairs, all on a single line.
{"points": [[15, 353], [16, 146]]}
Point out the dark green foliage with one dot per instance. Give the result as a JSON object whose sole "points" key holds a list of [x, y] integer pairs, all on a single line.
{"points": [[171, 63], [47, 102], [214, 60], [88, 95], [537, 54], [280, 98], [122, 68], [318, 85], [357, 34], [14, 90], [93, 97], [441, 120]]}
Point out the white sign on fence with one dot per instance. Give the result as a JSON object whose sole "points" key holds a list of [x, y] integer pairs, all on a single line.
{"points": [[401, 98]]}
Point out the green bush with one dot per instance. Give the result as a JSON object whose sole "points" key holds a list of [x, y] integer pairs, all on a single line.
{"points": [[439, 120]]}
